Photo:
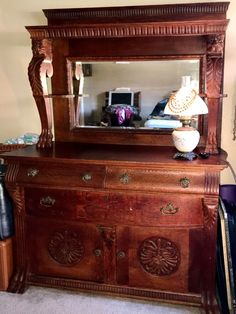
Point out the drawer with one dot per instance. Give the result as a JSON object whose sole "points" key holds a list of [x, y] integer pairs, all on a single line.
{"points": [[50, 202], [66, 204], [155, 180], [162, 209], [144, 209], [63, 175]]}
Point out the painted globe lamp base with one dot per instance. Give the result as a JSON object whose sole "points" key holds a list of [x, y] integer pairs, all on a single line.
{"points": [[185, 140]]}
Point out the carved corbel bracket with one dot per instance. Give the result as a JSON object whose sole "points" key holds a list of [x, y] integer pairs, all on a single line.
{"points": [[211, 199], [210, 210], [39, 69], [215, 45], [214, 77]]}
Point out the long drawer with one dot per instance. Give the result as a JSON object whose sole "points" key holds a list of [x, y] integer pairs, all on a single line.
{"points": [[154, 180], [132, 208], [63, 175]]}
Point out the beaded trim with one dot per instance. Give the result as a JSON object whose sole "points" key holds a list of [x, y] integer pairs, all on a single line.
{"points": [[181, 100]]}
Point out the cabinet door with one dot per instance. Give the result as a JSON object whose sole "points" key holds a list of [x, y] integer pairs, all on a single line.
{"points": [[65, 249], [159, 258]]}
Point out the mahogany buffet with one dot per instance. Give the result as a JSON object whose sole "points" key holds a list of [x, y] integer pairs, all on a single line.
{"points": [[106, 208]]}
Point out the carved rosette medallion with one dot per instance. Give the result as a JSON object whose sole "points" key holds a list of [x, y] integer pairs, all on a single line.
{"points": [[159, 256], [66, 248]]}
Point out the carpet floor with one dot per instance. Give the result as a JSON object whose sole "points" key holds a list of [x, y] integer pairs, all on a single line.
{"points": [[37, 300]]}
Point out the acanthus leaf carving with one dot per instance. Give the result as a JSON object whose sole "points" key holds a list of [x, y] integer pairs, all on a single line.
{"points": [[210, 210], [214, 76]]}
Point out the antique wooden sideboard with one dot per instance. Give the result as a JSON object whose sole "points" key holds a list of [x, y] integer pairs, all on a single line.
{"points": [[109, 210]]}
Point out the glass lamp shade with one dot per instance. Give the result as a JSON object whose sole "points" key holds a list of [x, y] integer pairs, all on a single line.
{"points": [[185, 103]]}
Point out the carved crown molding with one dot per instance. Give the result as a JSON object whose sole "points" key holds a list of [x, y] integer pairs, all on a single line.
{"points": [[135, 12], [129, 30]]}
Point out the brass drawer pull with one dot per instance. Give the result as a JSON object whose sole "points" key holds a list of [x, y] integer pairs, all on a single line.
{"points": [[87, 177], [97, 252], [184, 182], [121, 255], [169, 209], [124, 178], [32, 172], [47, 201]]}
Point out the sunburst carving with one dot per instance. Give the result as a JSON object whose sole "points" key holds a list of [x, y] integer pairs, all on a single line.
{"points": [[66, 248], [159, 256]]}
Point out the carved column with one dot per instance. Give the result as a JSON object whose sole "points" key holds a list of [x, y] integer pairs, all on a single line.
{"points": [[214, 79], [17, 283], [39, 69], [210, 214]]}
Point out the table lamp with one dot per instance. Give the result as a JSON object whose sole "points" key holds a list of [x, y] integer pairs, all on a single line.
{"points": [[185, 103]]}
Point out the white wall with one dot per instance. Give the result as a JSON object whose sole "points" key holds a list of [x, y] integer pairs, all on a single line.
{"points": [[18, 113]]}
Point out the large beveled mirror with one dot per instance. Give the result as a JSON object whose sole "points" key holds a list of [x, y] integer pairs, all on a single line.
{"points": [[127, 93]]}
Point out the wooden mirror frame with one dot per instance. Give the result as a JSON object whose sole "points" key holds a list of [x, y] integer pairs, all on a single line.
{"points": [[116, 33]]}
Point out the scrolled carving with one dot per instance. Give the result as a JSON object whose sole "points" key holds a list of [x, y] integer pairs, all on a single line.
{"points": [[40, 66], [66, 248], [159, 256], [39, 69]]}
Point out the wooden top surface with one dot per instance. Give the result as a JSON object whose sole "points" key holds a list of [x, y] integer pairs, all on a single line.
{"points": [[112, 154]]}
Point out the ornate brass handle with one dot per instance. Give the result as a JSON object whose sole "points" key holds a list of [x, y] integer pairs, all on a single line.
{"points": [[32, 172], [87, 177], [184, 182], [121, 255], [124, 178], [97, 252], [169, 209], [47, 201]]}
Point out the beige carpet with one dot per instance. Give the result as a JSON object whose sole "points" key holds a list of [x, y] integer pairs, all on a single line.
{"points": [[51, 301]]}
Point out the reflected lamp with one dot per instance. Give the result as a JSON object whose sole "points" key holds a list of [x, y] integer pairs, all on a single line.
{"points": [[185, 103]]}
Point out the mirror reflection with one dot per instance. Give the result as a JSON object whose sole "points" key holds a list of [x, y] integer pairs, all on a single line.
{"points": [[128, 94]]}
